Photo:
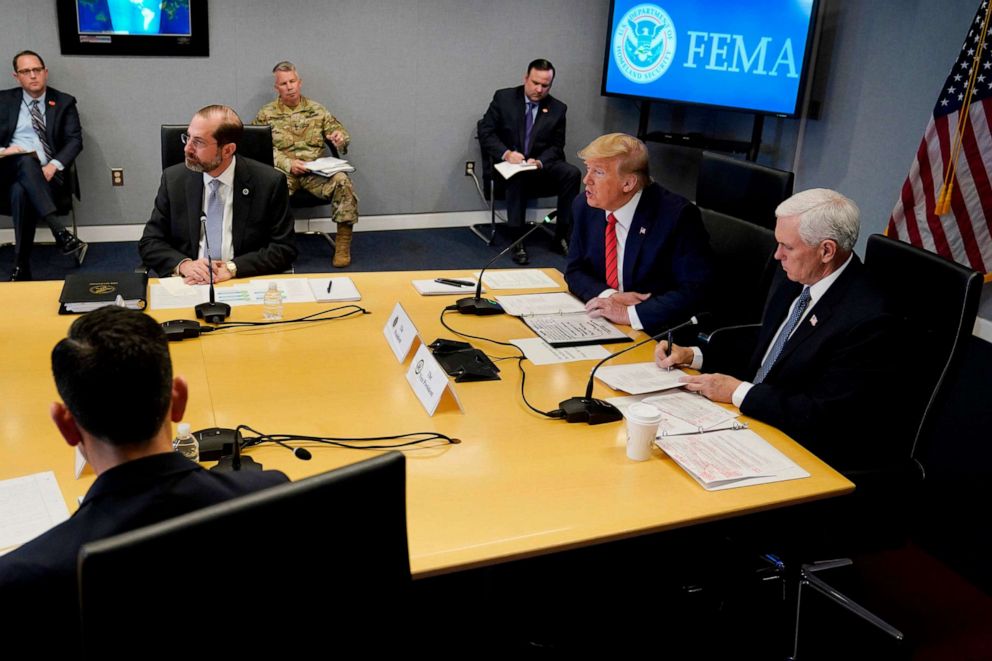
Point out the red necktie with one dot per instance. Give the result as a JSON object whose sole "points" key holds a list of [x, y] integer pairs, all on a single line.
{"points": [[611, 252]]}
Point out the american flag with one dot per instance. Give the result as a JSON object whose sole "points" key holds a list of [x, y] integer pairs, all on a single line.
{"points": [[964, 232]]}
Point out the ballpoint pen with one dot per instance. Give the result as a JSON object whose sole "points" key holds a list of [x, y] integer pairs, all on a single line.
{"points": [[329, 283], [670, 348], [454, 283]]}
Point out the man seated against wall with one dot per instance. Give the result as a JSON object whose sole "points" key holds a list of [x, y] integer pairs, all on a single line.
{"points": [[119, 400], [639, 254], [249, 227], [825, 365], [300, 127]]}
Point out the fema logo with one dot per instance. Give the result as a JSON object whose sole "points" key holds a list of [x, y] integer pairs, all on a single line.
{"points": [[644, 43]]}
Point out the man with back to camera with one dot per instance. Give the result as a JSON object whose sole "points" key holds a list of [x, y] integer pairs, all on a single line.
{"points": [[249, 227], [825, 361], [300, 127], [119, 400], [525, 124], [639, 254], [41, 124]]}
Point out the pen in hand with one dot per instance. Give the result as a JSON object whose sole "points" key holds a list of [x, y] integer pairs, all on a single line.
{"points": [[671, 347]]}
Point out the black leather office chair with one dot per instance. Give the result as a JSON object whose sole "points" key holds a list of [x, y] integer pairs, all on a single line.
{"points": [[741, 188], [66, 196], [255, 143], [304, 199], [938, 301], [317, 564], [743, 260]]}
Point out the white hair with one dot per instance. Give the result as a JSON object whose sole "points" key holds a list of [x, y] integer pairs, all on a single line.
{"points": [[824, 214]]}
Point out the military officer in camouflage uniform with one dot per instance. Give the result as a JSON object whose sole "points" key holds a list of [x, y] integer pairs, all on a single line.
{"points": [[299, 128]]}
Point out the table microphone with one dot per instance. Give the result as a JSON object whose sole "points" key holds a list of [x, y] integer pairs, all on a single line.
{"points": [[597, 411], [211, 311], [235, 462], [483, 306]]}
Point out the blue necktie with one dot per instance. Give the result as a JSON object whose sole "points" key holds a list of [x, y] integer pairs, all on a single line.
{"points": [[215, 220], [528, 125], [783, 337]]}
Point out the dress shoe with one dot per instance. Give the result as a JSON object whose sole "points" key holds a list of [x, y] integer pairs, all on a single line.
{"points": [[70, 245], [20, 274], [520, 256]]}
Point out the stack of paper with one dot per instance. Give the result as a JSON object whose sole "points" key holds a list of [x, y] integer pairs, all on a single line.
{"points": [[170, 293], [431, 287], [329, 165], [522, 305], [518, 279], [639, 378]]}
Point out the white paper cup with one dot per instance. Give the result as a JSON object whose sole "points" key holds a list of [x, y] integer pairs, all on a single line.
{"points": [[642, 427]]}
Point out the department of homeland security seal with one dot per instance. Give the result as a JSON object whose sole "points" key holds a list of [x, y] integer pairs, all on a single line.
{"points": [[644, 43]]}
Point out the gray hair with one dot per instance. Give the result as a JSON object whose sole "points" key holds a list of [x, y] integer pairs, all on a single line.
{"points": [[824, 214], [285, 65]]}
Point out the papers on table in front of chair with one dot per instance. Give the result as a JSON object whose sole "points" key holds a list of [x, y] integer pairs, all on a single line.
{"points": [[329, 166], [518, 279], [522, 305], [29, 506], [724, 455], [639, 378], [730, 458], [509, 169], [540, 352], [574, 330], [170, 293], [431, 287]]}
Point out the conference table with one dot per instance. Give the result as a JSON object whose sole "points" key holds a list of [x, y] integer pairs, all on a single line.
{"points": [[518, 485]]}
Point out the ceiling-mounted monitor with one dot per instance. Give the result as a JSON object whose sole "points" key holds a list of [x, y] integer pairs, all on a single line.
{"points": [[751, 56], [134, 27]]}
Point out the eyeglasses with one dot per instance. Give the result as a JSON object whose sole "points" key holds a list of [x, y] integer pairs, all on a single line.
{"points": [[196, 142], [36, 71]]}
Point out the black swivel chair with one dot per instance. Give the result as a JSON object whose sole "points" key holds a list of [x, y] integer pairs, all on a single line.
{"points": [[255, 143], [938, 301], [741, 188], [317, 564], [65, 196], [304, 199], [743, 260]]}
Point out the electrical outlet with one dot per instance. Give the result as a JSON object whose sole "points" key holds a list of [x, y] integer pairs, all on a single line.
{"points": [[116, 176], [469, 168]]}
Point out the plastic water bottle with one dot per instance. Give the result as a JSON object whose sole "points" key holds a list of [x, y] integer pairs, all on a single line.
{"points": [[272, 303], [186, 444]]}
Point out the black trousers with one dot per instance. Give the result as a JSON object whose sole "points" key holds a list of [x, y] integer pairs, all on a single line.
{"points": [[560, 179], [31, 198]]}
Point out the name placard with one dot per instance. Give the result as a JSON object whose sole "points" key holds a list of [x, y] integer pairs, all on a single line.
{"points": [[400, 333], [429, 380]]}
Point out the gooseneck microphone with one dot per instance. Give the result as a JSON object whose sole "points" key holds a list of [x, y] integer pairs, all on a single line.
{"points": [[482, 306], [597, 411], [236, 462], [211, 311]]}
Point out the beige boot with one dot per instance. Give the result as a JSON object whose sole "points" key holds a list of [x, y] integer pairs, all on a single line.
{"points": [[342, 246]]}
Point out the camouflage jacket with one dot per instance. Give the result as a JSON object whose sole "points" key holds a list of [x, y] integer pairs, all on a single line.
{"points": [[299, 132]]}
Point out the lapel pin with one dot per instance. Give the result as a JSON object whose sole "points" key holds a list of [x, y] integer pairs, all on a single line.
{"points": [[544, 110], [51, 103], [812, 321], [244, 191], [644, 230]]}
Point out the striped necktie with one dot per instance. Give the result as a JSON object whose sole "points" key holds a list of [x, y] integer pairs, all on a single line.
{"points": [[612, 278], [783, 337], [38, 124], [215, 220]]}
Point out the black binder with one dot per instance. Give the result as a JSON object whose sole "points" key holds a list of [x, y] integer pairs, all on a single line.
{"points": [[83, 292]]}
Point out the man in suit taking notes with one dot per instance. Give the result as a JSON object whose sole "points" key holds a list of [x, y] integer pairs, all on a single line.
{"points": [[525, 124]]}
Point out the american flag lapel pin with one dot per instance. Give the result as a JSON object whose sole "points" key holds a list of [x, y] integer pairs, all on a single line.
{"points": [[812, 321]]}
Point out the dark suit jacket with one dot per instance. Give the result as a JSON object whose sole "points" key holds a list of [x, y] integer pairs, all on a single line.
{"points": [[502, 127], [262, 224], [38, 590], [62, 127], [667, 254], [835, 386]]}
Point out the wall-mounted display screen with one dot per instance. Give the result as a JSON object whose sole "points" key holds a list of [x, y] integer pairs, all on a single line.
{"points": [[749, 55], [133, 27]]}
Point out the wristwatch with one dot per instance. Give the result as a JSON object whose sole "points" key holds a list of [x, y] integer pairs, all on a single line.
{"points": [[233, 268]]}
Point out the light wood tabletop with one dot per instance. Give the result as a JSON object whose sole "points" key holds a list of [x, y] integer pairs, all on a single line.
{"points": [[517, 485]]}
